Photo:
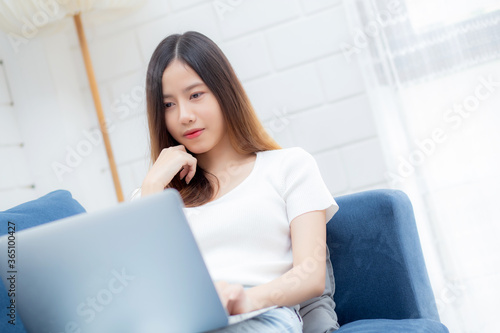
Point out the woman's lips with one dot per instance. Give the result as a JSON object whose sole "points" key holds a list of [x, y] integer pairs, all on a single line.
{"points": [[194, 135]]}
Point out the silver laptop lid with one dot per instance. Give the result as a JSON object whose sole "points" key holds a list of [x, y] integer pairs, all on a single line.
{"points": [[134, 267]]}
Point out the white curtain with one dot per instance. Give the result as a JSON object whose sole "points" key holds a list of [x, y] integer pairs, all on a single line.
{"points": [[432, 72]]}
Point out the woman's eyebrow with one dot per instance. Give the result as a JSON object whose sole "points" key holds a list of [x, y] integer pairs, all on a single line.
{"points": [[191, 86]]}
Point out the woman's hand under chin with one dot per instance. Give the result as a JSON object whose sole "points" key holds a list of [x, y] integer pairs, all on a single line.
{"points": [[234, 298]]}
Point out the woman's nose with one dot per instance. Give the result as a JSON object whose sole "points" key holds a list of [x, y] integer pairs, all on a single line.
{"points": [[186, 114]]}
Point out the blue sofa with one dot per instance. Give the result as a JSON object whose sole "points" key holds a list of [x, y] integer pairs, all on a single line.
{"points": [[380, 274], [381, 279]]}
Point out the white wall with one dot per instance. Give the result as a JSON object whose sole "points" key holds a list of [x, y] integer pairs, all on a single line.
{"points": [[16, 181], [285, 52]]}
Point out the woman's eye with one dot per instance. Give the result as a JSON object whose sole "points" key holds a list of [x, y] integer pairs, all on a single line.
{"points": [[167, 105], [197, 95]]}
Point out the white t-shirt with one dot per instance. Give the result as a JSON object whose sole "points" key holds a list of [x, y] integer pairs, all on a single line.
{"points": [[244, 236]]}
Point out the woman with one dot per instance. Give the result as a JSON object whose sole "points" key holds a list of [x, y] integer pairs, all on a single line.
{"points": [[258, 212]]}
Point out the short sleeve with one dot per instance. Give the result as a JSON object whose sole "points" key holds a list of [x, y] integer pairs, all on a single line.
{"points": [[305, 190]]}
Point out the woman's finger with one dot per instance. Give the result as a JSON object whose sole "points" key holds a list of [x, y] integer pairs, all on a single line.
{"points": [[228, 294], [179, 147], [183, 173], [192, 170], [234, 296]]}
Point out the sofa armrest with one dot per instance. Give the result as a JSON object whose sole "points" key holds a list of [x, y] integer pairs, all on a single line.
{"points": [[53, 206], [377, 259]]}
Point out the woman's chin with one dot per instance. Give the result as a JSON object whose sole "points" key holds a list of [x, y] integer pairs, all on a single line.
{"points": [[196, 149]]}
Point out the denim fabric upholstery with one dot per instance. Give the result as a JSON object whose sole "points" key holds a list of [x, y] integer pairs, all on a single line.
{"points": [[379, 267], [52, 206]]}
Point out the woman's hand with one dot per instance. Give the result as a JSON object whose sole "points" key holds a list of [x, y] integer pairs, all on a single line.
{"points": [[166, 166], [234, 298]]}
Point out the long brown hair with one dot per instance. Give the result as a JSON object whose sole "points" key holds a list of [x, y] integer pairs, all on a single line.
{"points": [[245, 131]]}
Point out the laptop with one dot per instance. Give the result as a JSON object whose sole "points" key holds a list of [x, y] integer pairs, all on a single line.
{"points": [[135, 267]]}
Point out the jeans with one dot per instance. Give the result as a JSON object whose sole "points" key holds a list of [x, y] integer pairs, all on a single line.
{"points": [[277, 320]]}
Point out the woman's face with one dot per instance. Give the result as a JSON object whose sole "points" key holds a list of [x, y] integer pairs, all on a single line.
{"points": [[189, 104]]}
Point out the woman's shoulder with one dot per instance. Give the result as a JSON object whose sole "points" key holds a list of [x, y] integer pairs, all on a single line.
{"points": [[286, 161], [290, 155], [285, 152]]}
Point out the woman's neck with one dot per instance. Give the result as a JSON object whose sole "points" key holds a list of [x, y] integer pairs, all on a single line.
{"points": [[221, 158]]}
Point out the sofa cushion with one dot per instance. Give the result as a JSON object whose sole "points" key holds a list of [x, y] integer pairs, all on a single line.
{"points": [[51, 207], [393, 326]]}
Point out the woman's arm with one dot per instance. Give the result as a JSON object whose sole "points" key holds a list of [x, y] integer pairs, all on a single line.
{"points": [[307, 277]]}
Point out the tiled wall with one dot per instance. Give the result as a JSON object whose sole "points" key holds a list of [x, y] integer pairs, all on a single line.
{"points": [[286, 52], [16, 181]]}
